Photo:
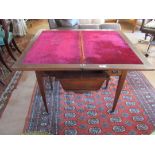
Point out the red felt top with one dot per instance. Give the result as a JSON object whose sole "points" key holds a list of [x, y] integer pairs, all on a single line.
{"points": [[65, 47], [107, 47], [55, 47]]}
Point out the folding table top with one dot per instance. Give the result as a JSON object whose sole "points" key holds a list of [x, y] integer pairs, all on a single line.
{"points": [[73, 49]]}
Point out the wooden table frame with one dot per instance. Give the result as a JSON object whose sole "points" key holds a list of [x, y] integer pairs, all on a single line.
{"points": [[112, 69], [40, 79]]}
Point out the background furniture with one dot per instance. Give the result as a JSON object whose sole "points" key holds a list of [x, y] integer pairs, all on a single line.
{"points": [[89, 26], [19, 27], [91, 21], [148, 27], [112, 26], [4, 62], [86, 24], [63, 23], [132, 22], [7, 38]]}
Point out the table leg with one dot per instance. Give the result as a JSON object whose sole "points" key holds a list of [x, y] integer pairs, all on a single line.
{"points": [[121, 81], [41, 88], [107, 82], [51, 82]]}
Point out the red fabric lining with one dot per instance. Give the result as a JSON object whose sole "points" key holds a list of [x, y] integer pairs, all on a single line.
{"points": [[107, 47], [63, 47], [55, 47]]}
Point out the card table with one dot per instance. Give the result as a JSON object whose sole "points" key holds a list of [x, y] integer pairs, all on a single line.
{"points": [[67, 53]]}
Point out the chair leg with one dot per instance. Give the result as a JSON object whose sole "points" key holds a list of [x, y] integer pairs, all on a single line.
{"points": [[107, 82], [9, 51], [147, 51], [15, 45], [51, 82], [2, 83], [146, 36], [12, 47], [3, 62], [144, 40]]}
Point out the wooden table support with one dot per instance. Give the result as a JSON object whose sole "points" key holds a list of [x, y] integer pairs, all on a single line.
{"points": [[121, 81], [39, 76], [106, 85], [122, 77]]}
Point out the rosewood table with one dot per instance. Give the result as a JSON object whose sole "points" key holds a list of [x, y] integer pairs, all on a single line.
{"points": [[81, 56]]}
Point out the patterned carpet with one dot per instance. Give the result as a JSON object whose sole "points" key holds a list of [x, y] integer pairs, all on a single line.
{"points": [[10, 78], [88, 113]]}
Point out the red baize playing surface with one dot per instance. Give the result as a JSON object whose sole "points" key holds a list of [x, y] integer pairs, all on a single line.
{"points": [[64, 47]]}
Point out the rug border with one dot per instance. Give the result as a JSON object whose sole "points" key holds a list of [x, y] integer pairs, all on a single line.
{"points": [[152, 89], [9, 96], [27, 118]]}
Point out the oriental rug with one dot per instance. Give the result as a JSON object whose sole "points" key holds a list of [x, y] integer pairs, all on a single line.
{"points": [[10, 79], [88, 113]]}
